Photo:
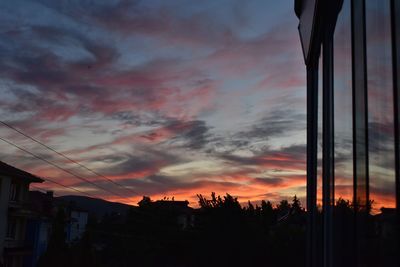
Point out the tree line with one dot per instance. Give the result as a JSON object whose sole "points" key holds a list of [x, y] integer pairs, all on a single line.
{"points": [[221, 232]]}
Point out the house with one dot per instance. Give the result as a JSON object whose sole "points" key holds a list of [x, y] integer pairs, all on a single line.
{"points": [[14, 214], [179, 210], [39, 226], [76, 225], [76, 219]]}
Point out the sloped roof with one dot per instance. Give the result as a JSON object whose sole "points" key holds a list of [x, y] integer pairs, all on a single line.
{"points": [[13, 172]]}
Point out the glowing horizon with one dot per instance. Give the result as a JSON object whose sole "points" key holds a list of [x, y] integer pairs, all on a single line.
{"points": [[168, 98]]}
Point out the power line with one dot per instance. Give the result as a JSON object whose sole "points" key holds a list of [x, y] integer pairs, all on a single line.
{"points": [[61, 168], [66, 157], [68, 187]]}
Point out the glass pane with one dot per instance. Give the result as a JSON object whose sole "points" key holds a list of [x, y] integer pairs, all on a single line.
{"points": [[380, 135], [343, 106], [380, 105], [343, 137]]}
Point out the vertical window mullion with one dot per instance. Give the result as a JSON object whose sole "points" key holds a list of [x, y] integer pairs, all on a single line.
{"points": [[327, 146], [395, 16], [360, 127], [395, 25], [312, 143]]}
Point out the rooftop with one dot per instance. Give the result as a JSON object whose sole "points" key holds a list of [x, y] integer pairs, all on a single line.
{"points": [[13, 172]]}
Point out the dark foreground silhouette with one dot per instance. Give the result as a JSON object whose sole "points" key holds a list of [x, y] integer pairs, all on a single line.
{"points": [[168, 233]]}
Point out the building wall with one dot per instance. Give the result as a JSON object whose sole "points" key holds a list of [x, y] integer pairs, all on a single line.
{"points": [[4, 196], [37, 235], [78, 224], [15, 206], [18, 236], [15, 214]]}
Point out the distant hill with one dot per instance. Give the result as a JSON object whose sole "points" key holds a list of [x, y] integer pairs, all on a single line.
{"points": [[98, 207]]}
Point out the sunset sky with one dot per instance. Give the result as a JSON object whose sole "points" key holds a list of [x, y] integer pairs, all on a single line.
{"points": [[168, 98]]}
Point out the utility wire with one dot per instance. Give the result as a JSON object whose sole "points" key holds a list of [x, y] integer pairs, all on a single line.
{"points": [[61, 168], [66, 157], [68, 187]]}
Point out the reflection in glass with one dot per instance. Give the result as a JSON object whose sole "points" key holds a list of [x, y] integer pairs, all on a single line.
{"points": [[380, 105], [380, 134], [319, 168], [343, 217], [319, 151], [343, 106]]}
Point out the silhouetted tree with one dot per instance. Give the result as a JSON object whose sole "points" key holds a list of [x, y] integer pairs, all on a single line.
{"points": [[257, 211], [266, 207], [343, 204], [224, 234], [83, 252], [296, 205], [267, 214], [283, 207], [144, 202], [57, 253], [250, 209]]}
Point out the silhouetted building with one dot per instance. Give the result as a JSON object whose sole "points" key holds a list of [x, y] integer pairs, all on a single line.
{"points": [[14, 214], [77, 220], [180, 210]]}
